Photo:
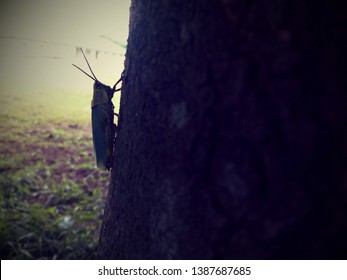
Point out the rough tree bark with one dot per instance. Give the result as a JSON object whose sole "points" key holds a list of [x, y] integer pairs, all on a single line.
{"points": [[232, 140]]}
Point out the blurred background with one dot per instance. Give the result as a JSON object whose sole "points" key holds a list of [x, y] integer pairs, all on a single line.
{"points": [[51, 194]]}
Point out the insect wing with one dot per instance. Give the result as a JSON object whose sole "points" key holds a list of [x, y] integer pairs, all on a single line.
{"points": [[99, 128], [102, 126]]}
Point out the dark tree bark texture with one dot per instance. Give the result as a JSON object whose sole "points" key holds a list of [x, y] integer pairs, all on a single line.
{"points": [[232, 139]]}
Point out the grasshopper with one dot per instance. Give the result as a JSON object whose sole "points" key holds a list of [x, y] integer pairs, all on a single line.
{"points": [[103, 127]]}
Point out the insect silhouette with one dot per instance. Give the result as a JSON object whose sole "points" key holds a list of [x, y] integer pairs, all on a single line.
{"points": [[103, 128]]}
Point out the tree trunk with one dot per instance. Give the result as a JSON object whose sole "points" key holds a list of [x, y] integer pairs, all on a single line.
{"points": [[232, 140]]}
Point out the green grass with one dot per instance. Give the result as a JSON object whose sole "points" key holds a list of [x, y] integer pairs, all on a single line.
{"points": [[51, 194]]}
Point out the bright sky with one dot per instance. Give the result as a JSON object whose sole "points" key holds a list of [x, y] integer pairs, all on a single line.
{"points": [[65, 21], [71, 22]]}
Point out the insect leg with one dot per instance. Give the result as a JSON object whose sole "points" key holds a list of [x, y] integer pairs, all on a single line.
{"points": [[115, 85]]}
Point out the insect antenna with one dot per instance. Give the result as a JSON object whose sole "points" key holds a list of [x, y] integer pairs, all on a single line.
{"points": [[83, 72], [90, 68]]}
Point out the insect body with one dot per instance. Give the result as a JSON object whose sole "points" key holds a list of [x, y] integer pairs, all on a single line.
{"points": [[103, 128]]}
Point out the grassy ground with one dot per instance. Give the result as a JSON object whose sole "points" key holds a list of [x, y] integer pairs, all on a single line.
{"points": [[51, 194]]}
